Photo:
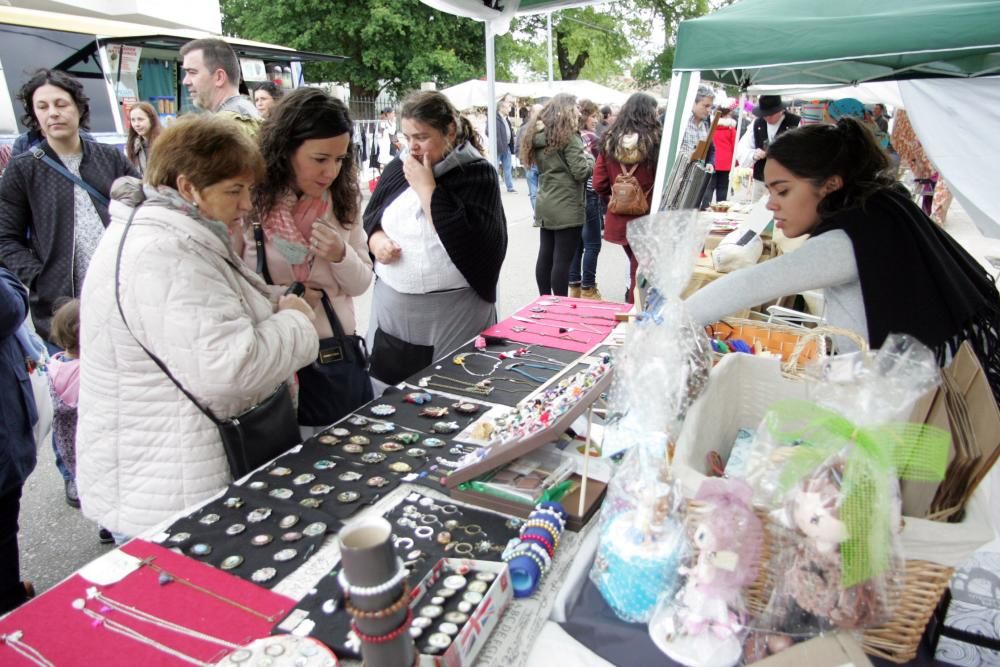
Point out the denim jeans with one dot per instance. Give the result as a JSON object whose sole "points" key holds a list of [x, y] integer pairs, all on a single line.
{"points": [[583, 268], [508, 177], [531, 175]]}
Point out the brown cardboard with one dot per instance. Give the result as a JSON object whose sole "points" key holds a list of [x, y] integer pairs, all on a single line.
{"points": [[497, 455], [595, 496], [833, 650], [968, 462]]}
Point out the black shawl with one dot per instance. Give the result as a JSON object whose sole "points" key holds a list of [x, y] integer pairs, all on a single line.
{"points": [[916, 279], [467, 213]]}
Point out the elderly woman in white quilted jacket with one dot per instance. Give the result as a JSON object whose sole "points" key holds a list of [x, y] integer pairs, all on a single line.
{"points": [[144, 451]]}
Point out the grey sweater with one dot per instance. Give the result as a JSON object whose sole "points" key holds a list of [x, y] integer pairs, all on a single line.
{"points": [[825, 262]]}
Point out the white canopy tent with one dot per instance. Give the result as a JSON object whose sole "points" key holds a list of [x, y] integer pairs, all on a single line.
{"points": [[476, 93]]}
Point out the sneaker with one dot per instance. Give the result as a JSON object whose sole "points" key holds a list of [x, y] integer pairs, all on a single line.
{"points": [[104, 536], [591, 293], [574, 291], [72, 499]]}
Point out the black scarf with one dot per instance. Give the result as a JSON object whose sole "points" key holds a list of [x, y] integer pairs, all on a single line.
{"points": [[916, 279]]}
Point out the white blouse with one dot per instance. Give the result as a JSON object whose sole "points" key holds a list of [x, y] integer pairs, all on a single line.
{"points": [[423, 265]]}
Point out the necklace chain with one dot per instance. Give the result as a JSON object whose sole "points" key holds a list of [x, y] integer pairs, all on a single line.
{"points": [[148, 562], [115, 626], [29, 652]]}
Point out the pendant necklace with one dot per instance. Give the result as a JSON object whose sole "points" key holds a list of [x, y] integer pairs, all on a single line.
{"points": [[459, 360], [562, 336], [27, 651]]}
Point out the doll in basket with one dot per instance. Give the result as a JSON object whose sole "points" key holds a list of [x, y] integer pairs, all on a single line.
{"points": [[705, 624], [813, 579]]}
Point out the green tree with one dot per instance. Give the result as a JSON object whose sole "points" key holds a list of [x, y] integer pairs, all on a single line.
{"points": [[671, 13], [391, 45], [588, 43]]}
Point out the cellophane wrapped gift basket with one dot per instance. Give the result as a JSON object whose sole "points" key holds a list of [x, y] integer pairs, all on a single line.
{"points": [[660, 370]]}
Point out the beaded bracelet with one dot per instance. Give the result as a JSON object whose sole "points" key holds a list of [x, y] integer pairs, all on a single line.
{"points": [[534, 537], [368, 591], [536, 561], [369, 639], [404, 600], [553, 507], [550, 512], [547, 519], [544, 525], [523, 548]]}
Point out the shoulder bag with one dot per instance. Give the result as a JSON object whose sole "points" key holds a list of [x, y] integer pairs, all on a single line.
{"points": [[39, 154], [337, 382], [251, 438]]}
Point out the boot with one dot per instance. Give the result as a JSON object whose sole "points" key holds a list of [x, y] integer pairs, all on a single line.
{"points": [[591, 293], [574, 291]]}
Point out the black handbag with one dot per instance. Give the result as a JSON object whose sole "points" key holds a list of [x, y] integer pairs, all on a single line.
{"points": [[251, 438], [393, 359], [337, 382]]}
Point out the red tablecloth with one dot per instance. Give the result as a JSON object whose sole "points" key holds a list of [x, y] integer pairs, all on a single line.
{"points": [[567, 324], [66, 636]]}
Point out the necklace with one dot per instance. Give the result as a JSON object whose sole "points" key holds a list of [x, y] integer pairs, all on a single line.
{"points": [[482, 388], [514, 380], [459, 360], [539, 309], [94, 594], [563, 336], [27, 651], [115, 626], [581, 325], [166, 578]]}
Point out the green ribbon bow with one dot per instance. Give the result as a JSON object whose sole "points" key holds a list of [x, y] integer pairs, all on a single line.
{"points": [[910, 451]]}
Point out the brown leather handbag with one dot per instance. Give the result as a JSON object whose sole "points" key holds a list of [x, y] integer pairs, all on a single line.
{"points": [[627, 195]]}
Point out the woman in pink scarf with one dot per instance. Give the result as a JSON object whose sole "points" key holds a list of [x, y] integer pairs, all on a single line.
{"points": [[306, 214]]}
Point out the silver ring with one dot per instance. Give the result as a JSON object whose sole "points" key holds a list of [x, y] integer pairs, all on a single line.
{"points": [[449, 509], [404, 542], [429, 518], [463, 548], [424, 532]]}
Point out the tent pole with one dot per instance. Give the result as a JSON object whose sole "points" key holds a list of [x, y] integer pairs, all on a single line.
{"points": [[739, 126], [682, 87], [548, 23], [491, 87]]}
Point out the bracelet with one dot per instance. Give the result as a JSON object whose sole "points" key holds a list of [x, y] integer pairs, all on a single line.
{"points": [[544, 525], [368, 591], [404, 599], [521, 577], [369, 639], [538, 550], [553, 507], [529, 549], [549, 512], [541, 539]]}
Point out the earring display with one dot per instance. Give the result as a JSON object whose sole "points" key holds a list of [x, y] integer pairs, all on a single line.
{"points": [[425, 530], [244, 538]]}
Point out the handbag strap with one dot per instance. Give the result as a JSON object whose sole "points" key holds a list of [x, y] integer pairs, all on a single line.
{"points": [[258, 239], [39, 154], [156, 360]]}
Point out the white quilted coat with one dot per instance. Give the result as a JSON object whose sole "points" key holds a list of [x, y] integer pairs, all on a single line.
{"points": [[144, 451]]}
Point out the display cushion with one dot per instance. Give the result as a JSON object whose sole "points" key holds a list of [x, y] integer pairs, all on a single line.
{"points": [[570, 314], [66, 636], [255, 557]]}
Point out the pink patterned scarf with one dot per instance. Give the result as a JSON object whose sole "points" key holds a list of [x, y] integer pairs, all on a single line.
{"points": [[289, 225]]}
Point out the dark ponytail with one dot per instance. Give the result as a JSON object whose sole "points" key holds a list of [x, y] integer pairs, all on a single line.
{"points": [[847, 149], [432, 108]]}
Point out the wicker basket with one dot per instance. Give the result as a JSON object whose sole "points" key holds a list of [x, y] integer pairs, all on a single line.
{"points": [[797, 346], [896, 641]]}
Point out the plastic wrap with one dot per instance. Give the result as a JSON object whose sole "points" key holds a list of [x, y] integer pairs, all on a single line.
{"points": [[660, 370], [837, 560], [705, 624]]}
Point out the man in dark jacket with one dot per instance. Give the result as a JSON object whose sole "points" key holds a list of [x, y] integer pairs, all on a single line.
{"points": [[17, 441], [505, 144], [49, 223]]}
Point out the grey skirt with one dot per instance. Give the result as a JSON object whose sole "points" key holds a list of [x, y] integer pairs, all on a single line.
{"points": [[442, 320]]}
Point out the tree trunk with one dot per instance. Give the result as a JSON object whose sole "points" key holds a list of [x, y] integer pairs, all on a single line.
{"points": [[568, 71]]}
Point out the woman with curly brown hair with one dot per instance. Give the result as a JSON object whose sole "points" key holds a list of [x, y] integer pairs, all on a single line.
{"points": [[564, 166], [306, 218], [632, 146]]}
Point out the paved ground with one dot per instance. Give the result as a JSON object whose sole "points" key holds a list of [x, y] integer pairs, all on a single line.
{"points": [[56, 540]]}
